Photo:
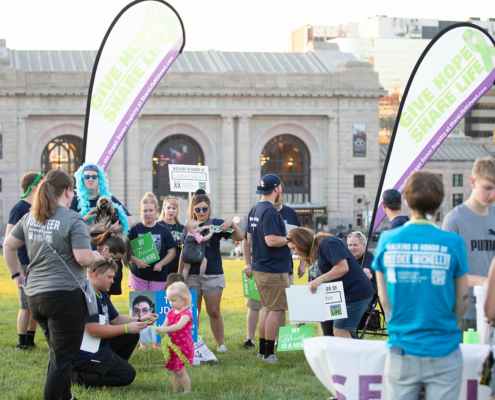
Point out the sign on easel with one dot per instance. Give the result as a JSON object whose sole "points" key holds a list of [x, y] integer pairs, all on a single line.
{"points": [[188, 178]]}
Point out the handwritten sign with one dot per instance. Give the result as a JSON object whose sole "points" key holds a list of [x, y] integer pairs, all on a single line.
{"points": [[290, 337], [249, 287], [144, 248]]}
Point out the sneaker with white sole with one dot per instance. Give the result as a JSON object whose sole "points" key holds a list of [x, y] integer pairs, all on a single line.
{"points": [[272, 359], [262, 356], [222, 349]]}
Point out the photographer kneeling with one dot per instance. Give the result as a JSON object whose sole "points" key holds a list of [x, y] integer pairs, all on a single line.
{"points": [[329, 260], [119, 336]]}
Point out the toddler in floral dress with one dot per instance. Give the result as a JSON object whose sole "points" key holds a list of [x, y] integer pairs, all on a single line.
{"points": [[178, 325]]}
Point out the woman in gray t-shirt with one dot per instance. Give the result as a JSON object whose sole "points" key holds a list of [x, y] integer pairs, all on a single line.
{"points": [[55, 298]]}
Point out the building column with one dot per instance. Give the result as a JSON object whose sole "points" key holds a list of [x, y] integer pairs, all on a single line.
{"points": [[243, 166], [227, 176], [21, 147], [333, 167]]}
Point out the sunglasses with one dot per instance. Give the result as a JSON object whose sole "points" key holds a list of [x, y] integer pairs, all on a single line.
{"points": [[90, 167], [198, 210], [88, 177], [109, 262]]}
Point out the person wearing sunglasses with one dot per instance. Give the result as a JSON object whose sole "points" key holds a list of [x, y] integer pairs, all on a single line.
{"points": [[91, 183], [210, 289]]}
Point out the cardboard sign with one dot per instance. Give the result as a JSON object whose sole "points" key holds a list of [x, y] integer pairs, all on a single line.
{"points": [[144, 248], [188, 178], [290, 337], [161, 306], [305, 306], [335, 306], [249, 287]]}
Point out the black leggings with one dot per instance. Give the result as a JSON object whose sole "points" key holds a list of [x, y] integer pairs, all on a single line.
{"points": [[61, 315]]}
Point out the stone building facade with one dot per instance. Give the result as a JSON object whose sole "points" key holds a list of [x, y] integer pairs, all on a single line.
{"points": [[224, 110]]}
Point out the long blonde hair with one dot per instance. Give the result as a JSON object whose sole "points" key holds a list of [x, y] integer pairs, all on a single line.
{"points": [[306, 241], [173, 202], [46, 197], [149, 198]]}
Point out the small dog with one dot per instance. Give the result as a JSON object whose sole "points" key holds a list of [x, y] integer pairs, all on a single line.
{"points": [[105, 214]]}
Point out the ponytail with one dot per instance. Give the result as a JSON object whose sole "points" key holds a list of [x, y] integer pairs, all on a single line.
{"points": [[50, 190], [115, 244], [199, 196]]}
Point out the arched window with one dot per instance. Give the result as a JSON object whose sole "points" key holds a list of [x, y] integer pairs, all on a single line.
{"points": [[64, 152], [288, 157], [175, 149]]}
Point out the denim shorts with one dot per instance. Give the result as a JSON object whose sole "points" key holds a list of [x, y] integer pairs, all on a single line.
{"points": [[355, 312]]}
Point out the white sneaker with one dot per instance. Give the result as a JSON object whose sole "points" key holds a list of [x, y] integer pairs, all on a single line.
{"points": [[222, 349], [272, 359], [262, 356]]}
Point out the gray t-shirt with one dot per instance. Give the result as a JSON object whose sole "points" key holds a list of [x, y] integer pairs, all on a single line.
{"points": [[65, 231], [478, 233]]}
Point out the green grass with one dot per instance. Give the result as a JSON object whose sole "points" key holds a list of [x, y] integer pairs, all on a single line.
{"points": [[237, 375]]}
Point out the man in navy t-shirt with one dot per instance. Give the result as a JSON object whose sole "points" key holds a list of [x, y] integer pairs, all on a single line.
{"points": [[26, 325], [392, 203], [290, 217], [117, 335], [271, 263]]}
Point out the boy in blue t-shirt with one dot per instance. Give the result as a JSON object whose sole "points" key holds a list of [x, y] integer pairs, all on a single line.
{"points": [[422, 282]]}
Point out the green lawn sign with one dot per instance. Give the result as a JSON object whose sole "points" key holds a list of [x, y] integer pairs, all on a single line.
{"points": [[144, 248], [290, 337], [249, 286]]}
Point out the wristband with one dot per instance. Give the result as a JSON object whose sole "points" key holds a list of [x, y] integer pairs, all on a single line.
{"points": [[126, 328], [16, 275], [325, 277]]}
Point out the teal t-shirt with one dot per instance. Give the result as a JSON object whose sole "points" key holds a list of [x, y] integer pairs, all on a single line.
{"points": [[420, 263]]}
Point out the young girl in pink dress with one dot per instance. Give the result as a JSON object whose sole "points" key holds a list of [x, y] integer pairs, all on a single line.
{"points": [[178, 325]]}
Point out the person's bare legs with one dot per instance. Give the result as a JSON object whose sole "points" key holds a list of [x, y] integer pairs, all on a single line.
{"points": [[252, 320], [202, 268], [343, 333], [176, 381], [199, 302], [272, 324], [184, 378], [262, 323], [212, 303], [185, 272], [23, 321]]}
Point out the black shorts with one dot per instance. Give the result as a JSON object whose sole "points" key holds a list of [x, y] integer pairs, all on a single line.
{"points": [[116, 287]]}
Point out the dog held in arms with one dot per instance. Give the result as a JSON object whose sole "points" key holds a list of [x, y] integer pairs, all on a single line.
{"points": [[106, 216]]}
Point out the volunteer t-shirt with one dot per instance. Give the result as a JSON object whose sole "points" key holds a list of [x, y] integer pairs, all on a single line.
{"points": [[163, 242], [290, 217], [398, 221], [20, 209], [356, 284], [212, 253], [106, 313], [265, 220], [65, 231], [92, 204], [420, 263], [478, 233], [176, 231]]}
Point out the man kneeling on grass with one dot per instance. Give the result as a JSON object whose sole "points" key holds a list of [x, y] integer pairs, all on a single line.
{"points": [[118, 336]]}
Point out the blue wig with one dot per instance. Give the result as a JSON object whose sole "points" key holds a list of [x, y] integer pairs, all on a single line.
{"points": [[103, 187]]}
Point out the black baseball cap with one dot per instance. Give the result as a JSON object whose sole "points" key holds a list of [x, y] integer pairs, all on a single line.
{"points": [[268, 183], [391, 197]]}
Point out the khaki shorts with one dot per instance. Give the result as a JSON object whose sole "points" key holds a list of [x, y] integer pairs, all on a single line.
{"points": [[271, 288], [256, 304], [213, 285]]}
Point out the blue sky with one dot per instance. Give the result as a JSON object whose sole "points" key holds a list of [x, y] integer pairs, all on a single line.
{"points": [[228, 25]]}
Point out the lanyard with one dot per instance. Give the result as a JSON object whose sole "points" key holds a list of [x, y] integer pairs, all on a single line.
{"points": [[268, 201]]}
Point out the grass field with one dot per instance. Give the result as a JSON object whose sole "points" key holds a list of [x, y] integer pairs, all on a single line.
{"points": [[237, 375]]}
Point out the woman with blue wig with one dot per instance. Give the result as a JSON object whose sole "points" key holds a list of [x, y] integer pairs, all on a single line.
{"points": [[91, 183]]}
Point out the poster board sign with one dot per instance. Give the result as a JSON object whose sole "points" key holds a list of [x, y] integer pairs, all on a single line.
{"points": [[142, 303], [249, 287], [359, 139], [335, 306], [305, 306], [188, 178], [144, 248], [291, 338]]}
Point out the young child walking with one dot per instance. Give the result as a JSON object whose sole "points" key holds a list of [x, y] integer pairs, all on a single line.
{"points": [[178, 324], [194, 248]]}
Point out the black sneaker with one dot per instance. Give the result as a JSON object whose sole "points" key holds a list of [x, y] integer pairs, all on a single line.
{"points": [[21, 348], [248, 344], [31, 346]]}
